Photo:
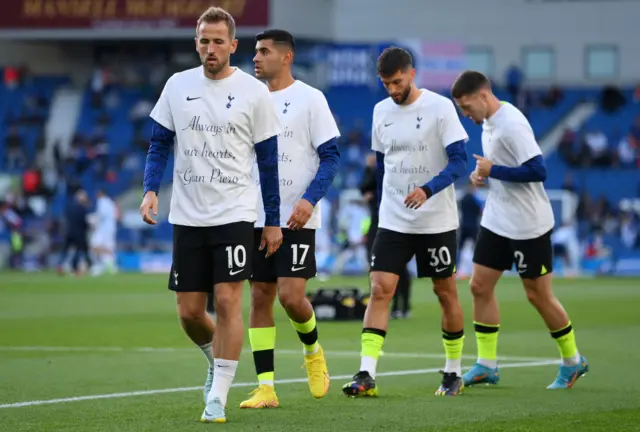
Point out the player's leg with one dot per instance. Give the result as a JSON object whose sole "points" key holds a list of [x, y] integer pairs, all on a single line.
{"points": [[232, 266], [68, 242], [492, 256], [391, 253], [262, 329], [404, 286], [83, 246], [295, 264], [110, 252], [191, 277], [534, 260], [96, 252], [435, 258]]}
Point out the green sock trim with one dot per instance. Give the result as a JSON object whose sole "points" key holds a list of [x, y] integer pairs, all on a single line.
{"points": [[263, 338], [371, 345], [453, 347], [567, 345], [266, 376], [306, 327], [486, 325], [487, 345]]}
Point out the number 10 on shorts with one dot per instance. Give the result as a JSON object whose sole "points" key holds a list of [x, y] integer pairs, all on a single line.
{"points": [[237, 255]]}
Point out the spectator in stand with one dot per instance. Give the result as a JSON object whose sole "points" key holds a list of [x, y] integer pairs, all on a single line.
{"points": [[597, 149], [31, 181], [569, 183], [627, 153], [552, 97], [15, 158], [629, 230], [514, 79], [634, 134], [11, 77], [567, 149]]}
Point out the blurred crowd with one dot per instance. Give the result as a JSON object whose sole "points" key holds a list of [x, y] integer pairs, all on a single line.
{"points": [[32, 216]]}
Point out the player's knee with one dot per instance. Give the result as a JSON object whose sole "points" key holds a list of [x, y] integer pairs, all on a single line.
{"points": [[381, 291], [538, 293], [479, 288], [262, 296], [445, 290], [228, 302], [190, 311], [291, 293]]}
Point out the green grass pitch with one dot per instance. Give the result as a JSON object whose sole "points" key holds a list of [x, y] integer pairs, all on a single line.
{"points": [[69, 338]]}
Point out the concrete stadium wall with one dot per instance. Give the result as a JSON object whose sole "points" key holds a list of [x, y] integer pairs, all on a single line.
{"points": [[505, 27]]}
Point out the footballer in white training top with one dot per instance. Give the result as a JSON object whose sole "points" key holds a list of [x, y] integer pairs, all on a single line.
{"points": [[517, 211], [515, 229], [419, 145], [218, 119], [308, 160]]}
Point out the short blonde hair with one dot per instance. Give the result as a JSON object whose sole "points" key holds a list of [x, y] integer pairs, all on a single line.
{"points": [[215, 15]]}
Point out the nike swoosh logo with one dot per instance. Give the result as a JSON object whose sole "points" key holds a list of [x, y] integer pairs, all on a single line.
{"points": [[295, 269], [235, 272], [388, 124], [438, 270], [192, 99]]}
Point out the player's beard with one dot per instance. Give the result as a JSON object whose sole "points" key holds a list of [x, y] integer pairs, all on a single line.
{"points": [[214, 70], [403, 96]]}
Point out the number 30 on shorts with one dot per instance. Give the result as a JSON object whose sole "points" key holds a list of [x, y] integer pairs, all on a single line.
{"points": [[439, 256]]}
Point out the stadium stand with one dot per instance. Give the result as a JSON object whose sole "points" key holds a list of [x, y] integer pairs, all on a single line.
{"points": [[598, 161]]}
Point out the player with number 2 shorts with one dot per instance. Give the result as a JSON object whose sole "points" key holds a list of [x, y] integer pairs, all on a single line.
{"points": [[419, 144], [515, 229]]}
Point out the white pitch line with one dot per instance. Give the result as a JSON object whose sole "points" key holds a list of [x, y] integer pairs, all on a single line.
{"points": [[244, 384], [279, 351]]}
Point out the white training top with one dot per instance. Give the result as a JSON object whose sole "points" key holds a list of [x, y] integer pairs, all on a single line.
{"points": [[518, 211], [217, 123], [414, 139], [307, 123]]}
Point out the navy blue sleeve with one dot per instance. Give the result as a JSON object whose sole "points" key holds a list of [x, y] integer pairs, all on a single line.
{"points": [[329, 161], [531, 171], [380, 170], [267, 155], [160, 146], [456, 168]]}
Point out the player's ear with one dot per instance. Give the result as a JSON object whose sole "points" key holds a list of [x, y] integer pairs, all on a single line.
{"points": [[289, 57], [413, 73], [195, 39], [234, 46]]}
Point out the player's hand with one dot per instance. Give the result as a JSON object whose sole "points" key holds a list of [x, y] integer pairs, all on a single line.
{"points": [[300, 215], [476, 180], [483, 166], [149, 204], [415, 199], [271, 238]]}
